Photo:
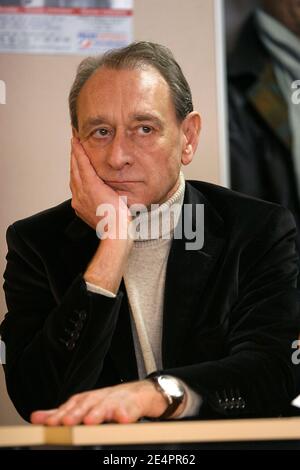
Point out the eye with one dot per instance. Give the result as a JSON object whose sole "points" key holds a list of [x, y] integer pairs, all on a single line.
{"points": [[143, 130], [100, 133]]}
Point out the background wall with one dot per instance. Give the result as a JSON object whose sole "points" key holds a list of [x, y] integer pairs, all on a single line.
{"points": [[34, 123]]}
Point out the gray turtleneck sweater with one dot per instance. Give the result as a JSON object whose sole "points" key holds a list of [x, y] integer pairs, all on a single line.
{"points": [[144, 279]]}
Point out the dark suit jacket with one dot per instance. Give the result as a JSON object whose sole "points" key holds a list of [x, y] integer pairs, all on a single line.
{"points": [[259, 129], [230, 310]]}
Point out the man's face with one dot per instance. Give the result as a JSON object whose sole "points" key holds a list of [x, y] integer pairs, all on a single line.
{"points": [[128, 128]]}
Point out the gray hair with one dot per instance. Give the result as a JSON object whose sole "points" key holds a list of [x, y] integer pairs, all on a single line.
{"points": [[137, 54]]}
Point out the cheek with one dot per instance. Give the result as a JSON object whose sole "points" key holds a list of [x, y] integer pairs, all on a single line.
{"points": [[162, 167], [89, 150], [173, 162], [166, 151], [95, 156]]}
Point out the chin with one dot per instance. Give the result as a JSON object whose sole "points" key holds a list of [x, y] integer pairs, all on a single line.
{"points": [[137, 198], [130, 198]]}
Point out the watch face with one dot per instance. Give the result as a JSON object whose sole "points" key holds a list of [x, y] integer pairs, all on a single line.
{"points": [[171, 385]]}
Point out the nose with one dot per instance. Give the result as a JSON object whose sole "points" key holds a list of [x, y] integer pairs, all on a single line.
{"points": [[119, 152]]}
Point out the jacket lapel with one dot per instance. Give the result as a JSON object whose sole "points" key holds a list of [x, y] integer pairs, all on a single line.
{"points": [[187, 274]]}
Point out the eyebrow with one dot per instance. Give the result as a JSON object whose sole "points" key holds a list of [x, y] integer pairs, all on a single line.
{"points": [[147, 117], [93, 121], [97, 120]]}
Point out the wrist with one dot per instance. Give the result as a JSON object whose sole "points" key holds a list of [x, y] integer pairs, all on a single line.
{"points": [[108, 263], [115, 227], [155, 403], [180, 408], [172, 390]]}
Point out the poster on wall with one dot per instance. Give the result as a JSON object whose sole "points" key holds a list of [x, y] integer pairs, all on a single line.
{"points": [[82, 27]]}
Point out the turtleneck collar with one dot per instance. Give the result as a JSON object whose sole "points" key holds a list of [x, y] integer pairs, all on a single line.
{"points": [[157, 225]]}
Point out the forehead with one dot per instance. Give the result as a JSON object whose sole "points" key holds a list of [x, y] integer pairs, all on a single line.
{"points": [[125, 91]]}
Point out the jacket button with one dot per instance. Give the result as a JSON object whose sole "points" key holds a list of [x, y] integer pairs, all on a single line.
{"points": [[74, 335], [78, 326], [70, 345], [81, 314], [226, 404], [232, 404], [241, 403]]}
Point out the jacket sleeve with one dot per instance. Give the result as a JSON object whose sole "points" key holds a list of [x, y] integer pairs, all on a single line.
{"points": [[50, 346], [256, 377]]}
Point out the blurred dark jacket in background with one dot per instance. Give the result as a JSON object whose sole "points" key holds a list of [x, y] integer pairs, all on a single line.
{"points": [[260, 136]]}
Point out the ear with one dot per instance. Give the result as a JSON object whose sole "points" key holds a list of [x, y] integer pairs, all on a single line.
{"points": [[191, 127]]}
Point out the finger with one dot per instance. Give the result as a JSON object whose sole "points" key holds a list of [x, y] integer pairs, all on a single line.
{"points": [[111, 412], [75, 178], [40, 416], [125, 414], [76, 414], [85, 168], [72, 187], [97, 415], [55, 418]]}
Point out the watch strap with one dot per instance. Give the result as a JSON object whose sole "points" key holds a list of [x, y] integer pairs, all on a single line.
{"points": [[171, 401]]}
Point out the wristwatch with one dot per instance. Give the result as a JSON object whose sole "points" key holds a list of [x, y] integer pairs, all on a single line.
{"points": [[171, 388]]}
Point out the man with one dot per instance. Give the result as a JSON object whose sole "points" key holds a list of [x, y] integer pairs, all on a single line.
{"points": [[263, 118], [123, 328]]}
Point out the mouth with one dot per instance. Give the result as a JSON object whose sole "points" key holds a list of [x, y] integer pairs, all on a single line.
{"points": [[123, 185], [121, 182]]}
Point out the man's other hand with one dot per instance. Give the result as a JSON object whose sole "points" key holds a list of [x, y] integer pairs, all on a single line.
{"points": [[125, 403]]}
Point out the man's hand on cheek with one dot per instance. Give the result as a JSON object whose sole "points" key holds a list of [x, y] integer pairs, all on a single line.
{"points": [[89, 190], [125, 403]]}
